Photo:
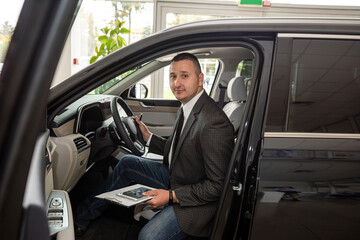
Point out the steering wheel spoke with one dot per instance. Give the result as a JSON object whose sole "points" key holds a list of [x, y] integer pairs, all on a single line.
{"points": [[139, 145]]}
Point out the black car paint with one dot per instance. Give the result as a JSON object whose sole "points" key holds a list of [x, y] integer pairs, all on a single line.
{"points": [[311, 209]]}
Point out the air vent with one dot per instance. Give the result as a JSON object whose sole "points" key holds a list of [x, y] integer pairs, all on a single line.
{"points": [[80, 143]]}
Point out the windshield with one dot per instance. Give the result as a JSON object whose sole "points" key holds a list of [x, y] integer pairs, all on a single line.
{"points": [[104, 87]]}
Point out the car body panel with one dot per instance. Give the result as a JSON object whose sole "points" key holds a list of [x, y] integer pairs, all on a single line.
{"points": [[308, 170]]}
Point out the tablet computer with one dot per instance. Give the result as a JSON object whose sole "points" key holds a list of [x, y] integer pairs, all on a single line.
{"points": [[136, 194]]}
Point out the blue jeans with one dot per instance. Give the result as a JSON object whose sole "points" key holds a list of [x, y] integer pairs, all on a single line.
{"points": [[144, 171], [162, 226]]}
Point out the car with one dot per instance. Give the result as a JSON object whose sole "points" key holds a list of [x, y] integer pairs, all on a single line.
{"points": [[294, 171]]}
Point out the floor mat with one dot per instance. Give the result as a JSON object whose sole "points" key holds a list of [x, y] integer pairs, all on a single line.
{"points": [[115, 223]]}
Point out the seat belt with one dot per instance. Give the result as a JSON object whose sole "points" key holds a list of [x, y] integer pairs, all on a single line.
{"points": [[222, 87]]}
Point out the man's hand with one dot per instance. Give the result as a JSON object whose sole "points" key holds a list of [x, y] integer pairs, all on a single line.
{"points": [[161, 197], [143, 128]]}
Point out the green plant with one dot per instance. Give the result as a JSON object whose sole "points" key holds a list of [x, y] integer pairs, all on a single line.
{"points": [[111, 40]]}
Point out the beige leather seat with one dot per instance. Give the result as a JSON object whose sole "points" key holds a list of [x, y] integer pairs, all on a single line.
{"points": [[236, 92]]}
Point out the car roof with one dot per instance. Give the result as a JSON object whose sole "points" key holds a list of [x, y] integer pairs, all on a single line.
{"points": [[278, 25]]}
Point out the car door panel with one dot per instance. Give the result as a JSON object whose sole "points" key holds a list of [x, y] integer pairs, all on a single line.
{"points": [[158, 115], [309, 166], [25, 80], [300, 182], [33, 202], [238, 198]]}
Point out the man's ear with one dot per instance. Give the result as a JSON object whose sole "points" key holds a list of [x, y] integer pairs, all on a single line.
{"points": [[201, 79]]}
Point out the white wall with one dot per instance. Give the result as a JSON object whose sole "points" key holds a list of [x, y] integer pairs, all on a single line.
{"points": [[63, 70]]}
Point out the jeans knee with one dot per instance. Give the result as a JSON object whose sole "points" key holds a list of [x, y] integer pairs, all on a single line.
{"points": [[146, 234], [124, 162], [142, 236]]}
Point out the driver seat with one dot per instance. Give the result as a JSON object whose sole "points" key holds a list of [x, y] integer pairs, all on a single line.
{"points": [[237, 94]]}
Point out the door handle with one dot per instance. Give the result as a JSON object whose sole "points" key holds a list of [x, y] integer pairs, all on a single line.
{"points": [[146, 106], [237, 188]]}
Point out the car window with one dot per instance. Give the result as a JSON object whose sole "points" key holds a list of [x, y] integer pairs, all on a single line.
{"points": [[245, 69], [157, 83], [316, 87], [310, 153]]}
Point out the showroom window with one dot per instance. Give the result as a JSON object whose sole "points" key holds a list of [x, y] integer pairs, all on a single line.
{"points": [[173, 19], [315, 86], [94, 15], [9, 13]]}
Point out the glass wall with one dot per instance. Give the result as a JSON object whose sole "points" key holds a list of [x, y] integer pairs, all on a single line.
{"points": [[97, 18], [173, 19], [9, 13]]}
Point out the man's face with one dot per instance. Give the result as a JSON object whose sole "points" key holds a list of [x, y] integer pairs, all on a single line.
{"points": [[184, 82]]}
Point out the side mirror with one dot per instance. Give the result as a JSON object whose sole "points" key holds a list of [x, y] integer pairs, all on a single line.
{"points": [[139, 90]]}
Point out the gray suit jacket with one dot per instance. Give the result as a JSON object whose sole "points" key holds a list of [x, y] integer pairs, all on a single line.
{"points": [[199, 165]]}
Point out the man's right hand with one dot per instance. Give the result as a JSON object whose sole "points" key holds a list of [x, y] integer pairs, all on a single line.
{"points": [[143, 128]]}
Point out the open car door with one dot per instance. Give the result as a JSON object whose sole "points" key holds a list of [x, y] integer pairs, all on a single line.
{"points": [[25, 80]]}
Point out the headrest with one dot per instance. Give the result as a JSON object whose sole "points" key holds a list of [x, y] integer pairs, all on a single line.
{"points": [[236, 89]]}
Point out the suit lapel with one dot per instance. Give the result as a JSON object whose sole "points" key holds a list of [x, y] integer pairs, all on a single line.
{"points": [[189, 123], [170, 139]]}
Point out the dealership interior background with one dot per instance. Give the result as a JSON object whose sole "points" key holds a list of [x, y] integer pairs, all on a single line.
{"points": [[144, 17]]}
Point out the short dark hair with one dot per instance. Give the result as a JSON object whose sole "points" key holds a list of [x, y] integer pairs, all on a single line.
{"points": [[191, 57]]}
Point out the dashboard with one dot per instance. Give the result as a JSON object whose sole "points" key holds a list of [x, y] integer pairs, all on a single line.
{"points": [[84, 115], [80, 136]]}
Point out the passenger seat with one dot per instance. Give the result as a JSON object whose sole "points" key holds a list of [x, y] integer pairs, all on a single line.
{"points": [[236, 92]]}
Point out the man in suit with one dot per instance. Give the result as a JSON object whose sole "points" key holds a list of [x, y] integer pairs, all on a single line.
{"points": [[196, 157]]}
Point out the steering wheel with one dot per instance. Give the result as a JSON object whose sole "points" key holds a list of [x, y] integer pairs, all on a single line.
{"points": [[126, 126]]}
